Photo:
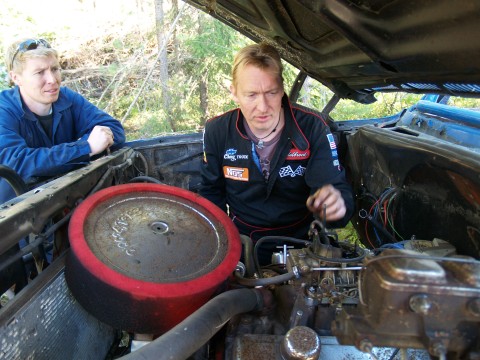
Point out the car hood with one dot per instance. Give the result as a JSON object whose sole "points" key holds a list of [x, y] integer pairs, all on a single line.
{"points": [[358, 47]]}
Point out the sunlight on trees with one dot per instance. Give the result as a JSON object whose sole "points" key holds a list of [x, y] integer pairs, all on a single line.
{"points": [[110, 55]]}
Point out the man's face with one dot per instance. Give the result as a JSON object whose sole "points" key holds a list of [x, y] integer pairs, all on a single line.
{"points": [[259, 94], [39, 81]]}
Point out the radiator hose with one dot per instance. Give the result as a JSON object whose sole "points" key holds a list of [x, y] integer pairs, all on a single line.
{"points": [[15, 181], [192, 333]]}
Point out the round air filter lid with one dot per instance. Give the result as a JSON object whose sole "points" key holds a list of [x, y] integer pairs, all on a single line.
{"points": [[155, 236], [146, 247]]}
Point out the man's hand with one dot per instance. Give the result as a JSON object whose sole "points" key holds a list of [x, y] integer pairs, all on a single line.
{"points": [[331, 198], [99, 139]]}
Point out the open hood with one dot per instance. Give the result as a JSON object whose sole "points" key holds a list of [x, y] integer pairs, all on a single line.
{"points": [[358, 47]]}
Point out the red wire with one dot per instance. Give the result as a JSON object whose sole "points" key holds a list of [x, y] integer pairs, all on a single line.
{"points": [[385, 207], [366, 223], [368, 237]]}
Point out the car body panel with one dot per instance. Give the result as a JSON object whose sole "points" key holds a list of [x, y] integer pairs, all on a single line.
{"points": [[357, 47]]}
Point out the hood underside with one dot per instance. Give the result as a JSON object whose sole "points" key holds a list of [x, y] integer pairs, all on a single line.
{"points": [[358, 47]]}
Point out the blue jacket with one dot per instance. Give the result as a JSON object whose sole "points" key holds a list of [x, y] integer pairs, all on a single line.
{"points": [[26, 148], [305, 159]]}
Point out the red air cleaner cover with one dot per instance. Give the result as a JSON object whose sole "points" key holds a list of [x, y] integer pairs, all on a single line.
{"points": [[145, 256]]}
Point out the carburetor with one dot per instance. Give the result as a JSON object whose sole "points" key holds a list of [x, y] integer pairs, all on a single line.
{"points": [[328, 279]]}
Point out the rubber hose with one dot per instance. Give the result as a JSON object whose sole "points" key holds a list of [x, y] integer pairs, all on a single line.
{"points": [[264, 281], [192, 333], [248, 255], [145, 162], [15, 181], [147, 179], [260, 241]]}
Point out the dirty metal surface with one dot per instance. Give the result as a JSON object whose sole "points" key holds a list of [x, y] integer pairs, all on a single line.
{"points": [[268, 347], [155, 237], [46, 322], [437, 308]]}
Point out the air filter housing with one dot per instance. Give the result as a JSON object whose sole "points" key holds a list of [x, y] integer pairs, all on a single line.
{"points": [[145, 256]]}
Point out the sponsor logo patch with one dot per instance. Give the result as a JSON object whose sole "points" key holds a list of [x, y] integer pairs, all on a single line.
{"points": [[331, 141], [235, 173], [333, 149], [231, 154], [288, 171], [296, 154]]}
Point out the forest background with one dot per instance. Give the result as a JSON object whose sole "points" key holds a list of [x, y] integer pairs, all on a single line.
{"points": [[159, 66]]}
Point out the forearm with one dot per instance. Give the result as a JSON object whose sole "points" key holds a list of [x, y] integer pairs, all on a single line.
{"points": [[30, 162]]}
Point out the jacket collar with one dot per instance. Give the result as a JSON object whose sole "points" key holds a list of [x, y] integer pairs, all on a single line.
{"points": [[61, 104], [292, 128], [17, 98]]}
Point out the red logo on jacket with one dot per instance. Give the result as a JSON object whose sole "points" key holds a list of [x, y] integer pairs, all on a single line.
{"points": [[296, 154]]}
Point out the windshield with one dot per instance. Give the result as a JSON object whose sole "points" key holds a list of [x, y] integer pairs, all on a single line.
{"points": [[316, 96]]}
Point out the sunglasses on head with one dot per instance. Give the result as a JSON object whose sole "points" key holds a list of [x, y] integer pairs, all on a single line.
{"points": [[30, 44]]}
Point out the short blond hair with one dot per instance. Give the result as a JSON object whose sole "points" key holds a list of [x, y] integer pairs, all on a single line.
{"points": [[263, 56], [15, 59]]}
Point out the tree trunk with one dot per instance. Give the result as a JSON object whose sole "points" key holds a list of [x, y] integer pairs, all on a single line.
{"points": [[163, 63], [174, 35], [203, 86]]}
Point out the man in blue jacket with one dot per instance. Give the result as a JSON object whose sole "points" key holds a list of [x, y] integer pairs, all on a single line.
{"points": [[273, 165], [46, 129]]}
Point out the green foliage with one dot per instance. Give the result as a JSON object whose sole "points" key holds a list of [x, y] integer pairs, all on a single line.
{"points": [[466, 103], [208, 56], [387, 104], [202, 61], [117, 44], [315, 95], [48, 35], [348, 233], [4, 78], [113, 71], [148, 124]]}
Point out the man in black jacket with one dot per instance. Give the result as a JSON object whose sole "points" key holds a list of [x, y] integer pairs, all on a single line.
{"points": [[273, 165]]}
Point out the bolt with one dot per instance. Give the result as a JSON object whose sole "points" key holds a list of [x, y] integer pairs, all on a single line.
{"points": [[240, 269], [365, 346], [421, 304], [438, 349], [296, 272], [304, 269]]}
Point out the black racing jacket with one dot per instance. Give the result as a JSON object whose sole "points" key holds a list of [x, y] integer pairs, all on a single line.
{"points": [[305, 159]]}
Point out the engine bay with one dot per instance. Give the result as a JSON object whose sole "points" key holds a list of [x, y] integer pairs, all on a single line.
{"points": [[404, 283], [417, 295]]}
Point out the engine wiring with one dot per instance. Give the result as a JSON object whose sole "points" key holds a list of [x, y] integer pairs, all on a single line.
{"points": [[381, 217]]}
